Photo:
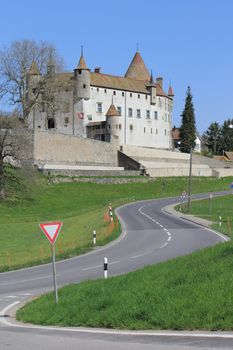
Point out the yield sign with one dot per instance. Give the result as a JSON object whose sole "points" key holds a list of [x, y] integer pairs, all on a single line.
{"points": [[51, 230]]}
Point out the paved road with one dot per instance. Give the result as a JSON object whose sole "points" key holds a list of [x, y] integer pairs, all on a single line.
{"points": [[149, 236]]}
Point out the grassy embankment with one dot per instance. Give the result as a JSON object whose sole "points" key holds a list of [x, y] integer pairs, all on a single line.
{"points": [[190, 292], [82, 207]]}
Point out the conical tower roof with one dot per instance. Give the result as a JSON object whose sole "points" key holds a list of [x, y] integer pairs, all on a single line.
{"points": [[82, 63], [112, 111], [170, 91], [33, 69], [137, 69]]}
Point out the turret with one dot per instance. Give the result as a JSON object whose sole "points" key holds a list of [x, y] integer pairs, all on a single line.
{"points": [[152, 88], [82, 79], [111, 121], [32, 80]]}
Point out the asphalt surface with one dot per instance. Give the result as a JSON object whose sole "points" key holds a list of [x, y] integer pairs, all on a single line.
{"points": [[150, 235]]}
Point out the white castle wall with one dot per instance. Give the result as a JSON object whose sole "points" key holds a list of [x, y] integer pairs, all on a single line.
{"points": [[56, 148]]}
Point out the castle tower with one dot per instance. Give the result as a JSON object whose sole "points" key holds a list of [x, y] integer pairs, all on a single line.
{"points": [[137, 69], [32, 79], [111, 120], [82, 79], [152, 88]]}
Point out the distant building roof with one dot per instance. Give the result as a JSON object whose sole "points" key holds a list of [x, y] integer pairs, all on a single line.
{"points": [[229, 155]]}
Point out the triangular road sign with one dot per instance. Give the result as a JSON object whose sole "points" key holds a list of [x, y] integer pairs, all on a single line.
{"points": [[51, 230]]}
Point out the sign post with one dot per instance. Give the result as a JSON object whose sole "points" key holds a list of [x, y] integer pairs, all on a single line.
{"points": [[51, 231]]}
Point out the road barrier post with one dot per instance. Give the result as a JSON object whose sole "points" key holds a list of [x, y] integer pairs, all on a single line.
{"points": [[220, 221], [94, 237], [105, 267]]}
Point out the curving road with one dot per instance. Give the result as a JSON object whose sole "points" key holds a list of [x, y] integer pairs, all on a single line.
{"points": [[149, 236]]}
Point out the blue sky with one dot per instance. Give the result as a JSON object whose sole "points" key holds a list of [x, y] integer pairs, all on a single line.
{"points": [[188, 42]]}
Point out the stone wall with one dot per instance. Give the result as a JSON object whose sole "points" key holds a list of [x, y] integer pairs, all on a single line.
{"points": [[53, 148]]}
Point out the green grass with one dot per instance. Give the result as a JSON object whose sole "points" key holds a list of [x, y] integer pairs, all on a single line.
{"points": [[81, 206], [212, 209], [186, 293], [191, 292]]}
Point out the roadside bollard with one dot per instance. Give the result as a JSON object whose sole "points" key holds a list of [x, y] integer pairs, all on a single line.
{"points": [[220, 221], [111, 215], [94, 237], [105, 267]]}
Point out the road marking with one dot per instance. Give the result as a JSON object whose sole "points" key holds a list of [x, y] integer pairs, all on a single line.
{"points": [[99, 266], [163, 245], [22, 281], [4, 311], [149, 217], [143, 254]]}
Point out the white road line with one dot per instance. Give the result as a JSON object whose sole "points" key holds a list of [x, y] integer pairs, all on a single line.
{"points": [[28, 280], [168, 233], [92, 268], [99, 266], [4, 311], [11, 296], [143, 254]]}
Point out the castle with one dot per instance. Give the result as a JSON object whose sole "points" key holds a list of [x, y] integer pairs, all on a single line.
{"points": [[130, 110]]}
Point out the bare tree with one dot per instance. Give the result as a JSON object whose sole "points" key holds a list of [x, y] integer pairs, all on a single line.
{"points": [[14, 146], [15, 63]]}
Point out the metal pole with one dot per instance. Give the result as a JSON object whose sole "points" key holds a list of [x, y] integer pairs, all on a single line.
{"points": [[190, 179], [54, 274]]}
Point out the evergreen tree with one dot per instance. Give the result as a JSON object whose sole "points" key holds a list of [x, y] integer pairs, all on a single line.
{"points": [[188, 129], [213, 138], [227, 135]]}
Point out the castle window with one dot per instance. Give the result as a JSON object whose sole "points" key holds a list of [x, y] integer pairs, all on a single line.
{"points": [[66, 120], [131, 127], [119, 126], [80, 71], [131, 95], [156, 131], [105, 90], [138, 113], [165, 132], [42, 107], [51, 123], [151, 131], [138, 95], [97, 89], [89, 117], [147, 114], [160, 103], [144, 130], [114, 92], [84, 86], [130, 112], [123, 94], [146, 97], [156, 115], [116, 126], [119, 110], [99, 107], [66, 107]]}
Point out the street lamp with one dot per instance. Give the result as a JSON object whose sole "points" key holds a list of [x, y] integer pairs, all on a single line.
{"points": [[190, 178]]}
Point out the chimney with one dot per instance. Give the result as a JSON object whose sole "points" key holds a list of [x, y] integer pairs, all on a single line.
{"points": [[97, 70], [159, 81]]}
